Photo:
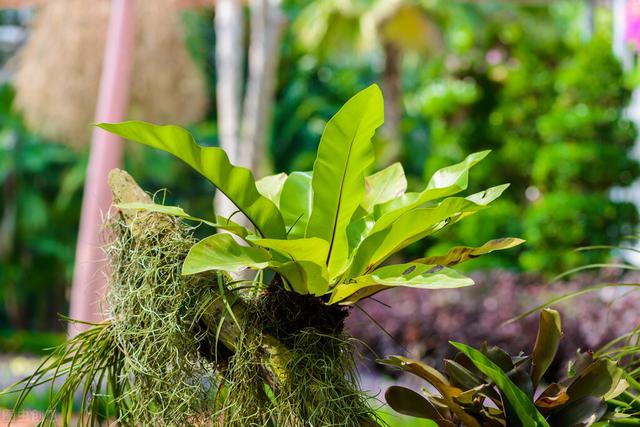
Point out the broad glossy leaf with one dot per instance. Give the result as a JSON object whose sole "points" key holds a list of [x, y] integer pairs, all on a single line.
{"points": [[409, 275], [460, 375], [271, 186], [445, 182], [295, 203], [522, 406], [489, 195], [226, 224], [522, 380], [222, 252], [464, 378], [501, 358], [344, 155], [602, 378], [308, 271], [237, 183], [305, 277], [456, 175], [408, 402], [583, 413], [547, 343], [461, 254], [383, 186], [408, 228], [482, 198], [386, 214], [221, 223], [311, 249]]}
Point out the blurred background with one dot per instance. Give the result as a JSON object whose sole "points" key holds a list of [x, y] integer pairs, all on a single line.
{"points": [[549, 86]]}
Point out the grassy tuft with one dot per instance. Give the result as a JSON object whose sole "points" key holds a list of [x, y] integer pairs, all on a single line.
{"points": [[89, 364]]}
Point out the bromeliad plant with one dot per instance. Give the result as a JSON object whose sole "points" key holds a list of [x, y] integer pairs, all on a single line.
{"points": [[327, 232], [489, 387]]}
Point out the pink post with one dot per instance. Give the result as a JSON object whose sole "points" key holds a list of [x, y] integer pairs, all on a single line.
{"points": [[106, 153]]}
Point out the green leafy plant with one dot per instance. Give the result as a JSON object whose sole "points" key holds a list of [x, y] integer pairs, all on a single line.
{"points": [[327, 232], [272, 347], [489, 387], [40, 185]]}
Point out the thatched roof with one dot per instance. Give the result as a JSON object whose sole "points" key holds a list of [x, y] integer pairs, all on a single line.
{"points": [[58, 70]]}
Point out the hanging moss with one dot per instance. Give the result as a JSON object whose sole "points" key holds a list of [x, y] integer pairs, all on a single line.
{"points": [[319, 385], [185, 350], [156, 314]]}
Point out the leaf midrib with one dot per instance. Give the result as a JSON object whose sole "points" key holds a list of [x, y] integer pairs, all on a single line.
{"points": [[344, 175]]}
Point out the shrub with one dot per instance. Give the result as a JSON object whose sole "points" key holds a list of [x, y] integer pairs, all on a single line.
{"points": [[553, 112]]}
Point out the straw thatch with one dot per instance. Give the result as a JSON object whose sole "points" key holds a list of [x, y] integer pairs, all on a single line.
{"points": [[58, 71]]}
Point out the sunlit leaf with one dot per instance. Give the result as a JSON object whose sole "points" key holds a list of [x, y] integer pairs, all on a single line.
{"points": [[305, 268], [384, 186], [311, 249], [271, 186], [344, 155], [489, 195], [409, 275], [295, 203], [237, 183], [408, 228], [445, 182], [222, 252], [461, 254], [304, 277]]}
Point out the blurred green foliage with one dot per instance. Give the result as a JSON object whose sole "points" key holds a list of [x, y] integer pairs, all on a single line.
{"points": [[550, 106], [40, 196], [552, 109], [29, 342], [39, 210]]}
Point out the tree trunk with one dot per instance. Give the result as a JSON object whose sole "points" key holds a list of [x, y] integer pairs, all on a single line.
{"points": [[243, 125], [88, 285], [229, 28], [392, 89], [267, 23]]}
